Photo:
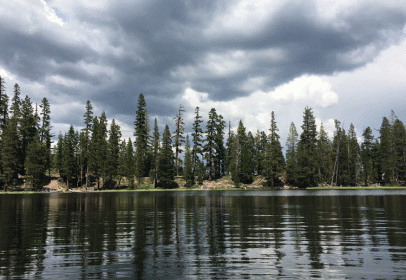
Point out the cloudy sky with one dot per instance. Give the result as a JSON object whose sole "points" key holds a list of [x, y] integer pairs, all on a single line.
{"points": [[345, 59]]}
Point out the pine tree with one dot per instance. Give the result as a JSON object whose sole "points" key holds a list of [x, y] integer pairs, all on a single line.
{"points": [[113, 151], [88, 118], [353, 157], [166, 165], [243, 159], [10, 152], [3, 105], [155, 146], [399, 150], [130, 164], [36, 163], [141, 134], [220, 154], [28, 129], [274, 161], [260, 147], [121, 161], [291, 155], [386, 151], [178, 136], [307, 151], [58, 157], [197, 140], [45, 131], [325, 161], [68, 157], [210, 146], [3, 115], [367, 158], [98, 149], [188, 171]]}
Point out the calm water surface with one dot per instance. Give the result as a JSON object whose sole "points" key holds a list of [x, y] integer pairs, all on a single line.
{"points": [[204, 235]]}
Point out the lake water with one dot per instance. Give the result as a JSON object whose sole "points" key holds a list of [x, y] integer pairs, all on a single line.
{"points": [[204, 235]]}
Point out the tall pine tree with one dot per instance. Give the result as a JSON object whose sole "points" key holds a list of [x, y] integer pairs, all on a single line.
{"points": [[166, 164], [141, 134], [307, 152], [178, 136]]}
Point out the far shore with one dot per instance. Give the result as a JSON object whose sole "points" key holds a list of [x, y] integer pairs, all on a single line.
{"points": [[223, 184]]}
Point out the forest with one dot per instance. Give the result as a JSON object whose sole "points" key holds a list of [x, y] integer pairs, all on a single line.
{"points": [[98, 157]]}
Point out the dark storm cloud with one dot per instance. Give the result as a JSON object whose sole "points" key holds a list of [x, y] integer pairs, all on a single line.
{"points": [[146, 42]]}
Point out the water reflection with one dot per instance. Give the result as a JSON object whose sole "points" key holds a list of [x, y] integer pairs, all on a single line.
{"points": [[213, 235]]}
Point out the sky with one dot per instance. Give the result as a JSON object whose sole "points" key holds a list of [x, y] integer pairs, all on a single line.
{"points": [[344, 59]]}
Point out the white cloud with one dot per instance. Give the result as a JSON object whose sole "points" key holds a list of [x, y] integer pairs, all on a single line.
{"points": [[287, 101]]}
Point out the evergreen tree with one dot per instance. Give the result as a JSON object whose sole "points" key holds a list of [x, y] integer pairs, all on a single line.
{"points": [[98, 149], [220, 154], [197, 140], [291, 155], [45, 131], [88, 118], [166, 165], [178, 136], [274, 161], [68, 157], [15, 108], [3, 115], [307, 151], [243, 161], [188, 171], [260, 148], [325, 161], [367, 158], [28, 129], [386, 151], [113, 151], [10, 152], [353, 157], [58, 158], [36, 163], [130, 164], [210, 147], [141, 134], [121, 161], [399, 150], [155, 145], [3, 105]]}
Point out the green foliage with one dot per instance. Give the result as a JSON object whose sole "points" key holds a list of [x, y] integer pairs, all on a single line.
{"points": [[399, 150], [9, 152], [354, 162], [166, 165], [188, 170], [274, 161], [3, 105], [386, 151], [129, 164], [243, 160], [113, 152], [307, 152], [291, 155], [141, 134], [178, 137], [45, 131], [197, 140], [36, 163], [366, 157], [324, 154], [209, 148]]}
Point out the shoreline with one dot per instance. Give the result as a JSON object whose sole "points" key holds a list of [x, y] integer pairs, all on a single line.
{"points": [[246, 188]]}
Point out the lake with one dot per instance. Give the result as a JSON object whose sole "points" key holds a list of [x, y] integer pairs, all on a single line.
{"points": [[289, 234]]}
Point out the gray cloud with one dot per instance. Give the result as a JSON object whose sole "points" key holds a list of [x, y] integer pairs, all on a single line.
{"points": [[160, 47]]}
